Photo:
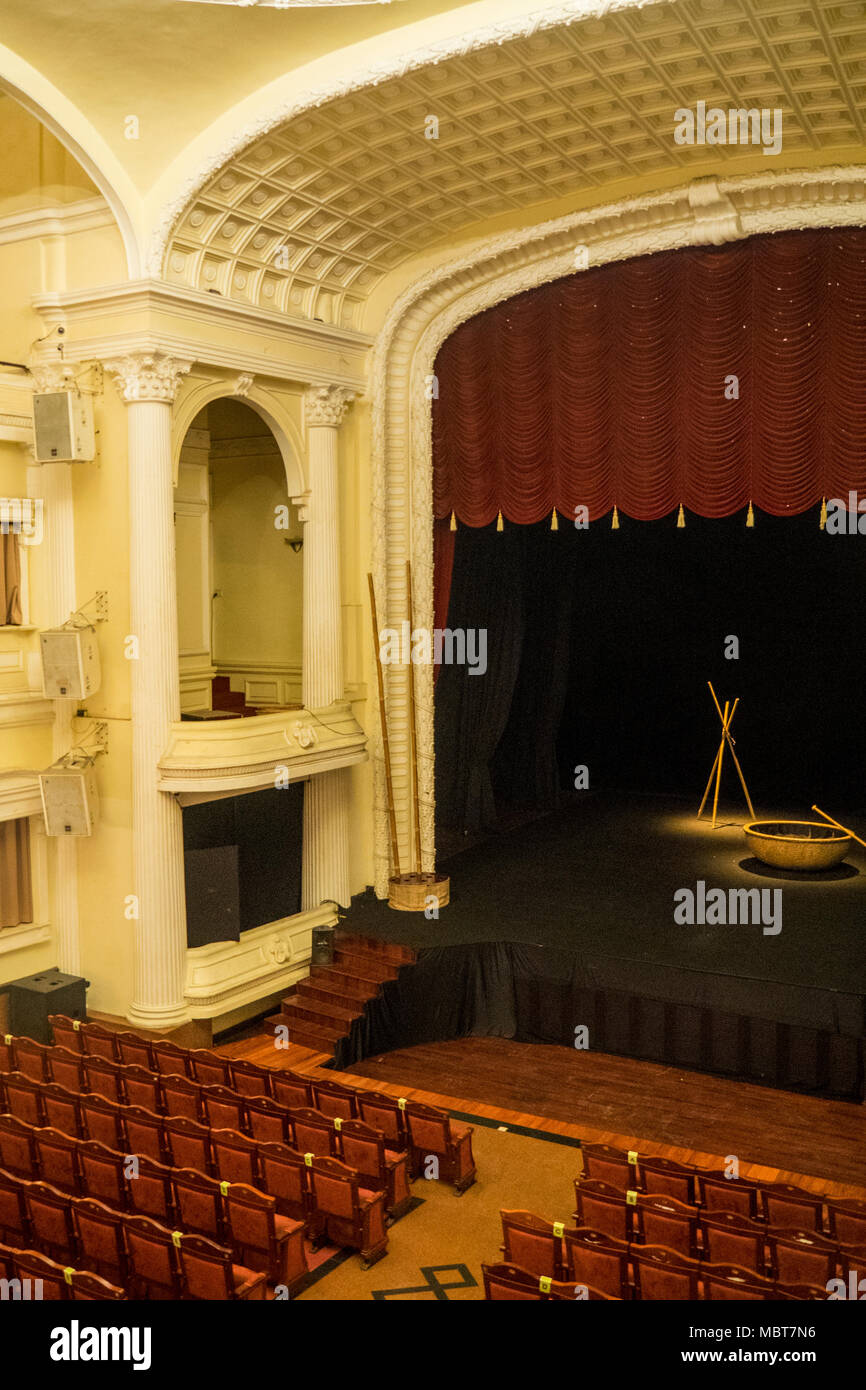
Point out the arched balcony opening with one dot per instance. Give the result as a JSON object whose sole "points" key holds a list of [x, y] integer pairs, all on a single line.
{"points": [[239, 544]]}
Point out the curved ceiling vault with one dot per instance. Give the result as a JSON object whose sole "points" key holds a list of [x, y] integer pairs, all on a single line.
{"points": [[308, 217]]}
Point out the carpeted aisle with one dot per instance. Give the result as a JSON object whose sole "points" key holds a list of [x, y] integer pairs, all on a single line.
{"points": [[435, 1252]]}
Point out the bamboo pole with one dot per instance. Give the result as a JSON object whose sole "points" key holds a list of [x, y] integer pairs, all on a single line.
{"points": [[709, 781], [719, 766], [719, 751], [413, 755], [840, 827], [395, 852]]}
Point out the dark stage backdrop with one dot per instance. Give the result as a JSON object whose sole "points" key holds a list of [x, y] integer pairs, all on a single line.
{"points": [[600, 646], [255, 845]]}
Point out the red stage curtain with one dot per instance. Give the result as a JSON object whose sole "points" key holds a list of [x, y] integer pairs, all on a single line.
{"points": [[608, 387]]}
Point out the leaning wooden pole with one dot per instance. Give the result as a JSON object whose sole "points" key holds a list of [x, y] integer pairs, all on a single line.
{"points": [[413, 742], [839, 826], [386, 748]]}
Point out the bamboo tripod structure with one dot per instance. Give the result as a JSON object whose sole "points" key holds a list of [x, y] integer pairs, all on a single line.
{"points": [[414, 891], [727, 719]]}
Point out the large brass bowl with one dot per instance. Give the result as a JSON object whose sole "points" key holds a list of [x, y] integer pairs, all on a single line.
{"points": [[797, 844]]}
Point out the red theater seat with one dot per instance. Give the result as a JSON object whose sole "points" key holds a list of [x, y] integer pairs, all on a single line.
{"points": [[363, 1148], [267, 1241], [154, 1264], [533, 1244], [432, 1134], [662, 1274], [597, 1259], [208, 1273], [100, 1042], [347, 1213], [99, 1239]]}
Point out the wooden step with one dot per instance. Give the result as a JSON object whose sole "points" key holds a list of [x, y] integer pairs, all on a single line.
{"points": [[335, 981], [319, 1036], [327, 993], [364, 966], [296, 1007], [390, 951]]}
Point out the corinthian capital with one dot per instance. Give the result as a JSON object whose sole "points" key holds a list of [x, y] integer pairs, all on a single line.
{"points": [[147, 376], [326, 405]]}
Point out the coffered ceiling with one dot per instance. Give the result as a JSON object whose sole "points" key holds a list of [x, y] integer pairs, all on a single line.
{"points": [[307, 218]]}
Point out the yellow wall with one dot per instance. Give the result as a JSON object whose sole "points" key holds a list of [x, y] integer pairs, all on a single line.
{"points": [[258, 616]]}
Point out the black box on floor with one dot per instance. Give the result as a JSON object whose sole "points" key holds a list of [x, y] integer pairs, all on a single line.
{"points": [[34, 997]]}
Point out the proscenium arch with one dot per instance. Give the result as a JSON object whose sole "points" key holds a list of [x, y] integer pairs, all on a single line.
{"points": [[38, 96], [266, 404], [706, 212]]}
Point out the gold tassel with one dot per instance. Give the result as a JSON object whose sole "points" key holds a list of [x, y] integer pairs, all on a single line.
{"points": [[554, 521], [823, 512], [614, 521], [750, 516], [453, 525], [681, 517], [500, 525]]}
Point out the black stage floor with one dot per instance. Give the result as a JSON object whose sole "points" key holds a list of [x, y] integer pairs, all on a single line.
{"points": [[570, 919]]}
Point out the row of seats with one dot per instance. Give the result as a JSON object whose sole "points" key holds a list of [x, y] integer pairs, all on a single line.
{"points": [[187, 1143], [779, 1204], [275, 1193], [700, 1233], [505, 1282], [135, 1252], [788, 1257], [657, 1274], [32, 1277], [203, 1085]]}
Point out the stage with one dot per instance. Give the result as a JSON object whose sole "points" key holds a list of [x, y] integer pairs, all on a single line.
{"points": [[568, 923]]}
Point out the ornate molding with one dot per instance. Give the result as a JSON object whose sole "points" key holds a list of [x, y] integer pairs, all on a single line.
{"points": [[148, 376], [326, 406], [424, 316], [716, 219], [244, 384], [52, 374]]}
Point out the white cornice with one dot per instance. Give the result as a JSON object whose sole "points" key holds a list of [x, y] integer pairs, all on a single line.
{"points": [[19, 795], [130, 296], [62, 220], [155, 315]]}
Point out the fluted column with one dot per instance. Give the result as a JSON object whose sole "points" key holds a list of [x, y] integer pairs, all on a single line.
{"points": [[326, 800], [52, 482], [148, 384]]}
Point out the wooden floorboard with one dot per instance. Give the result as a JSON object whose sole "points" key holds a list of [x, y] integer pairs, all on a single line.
{"points": [[776, 1135]]}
